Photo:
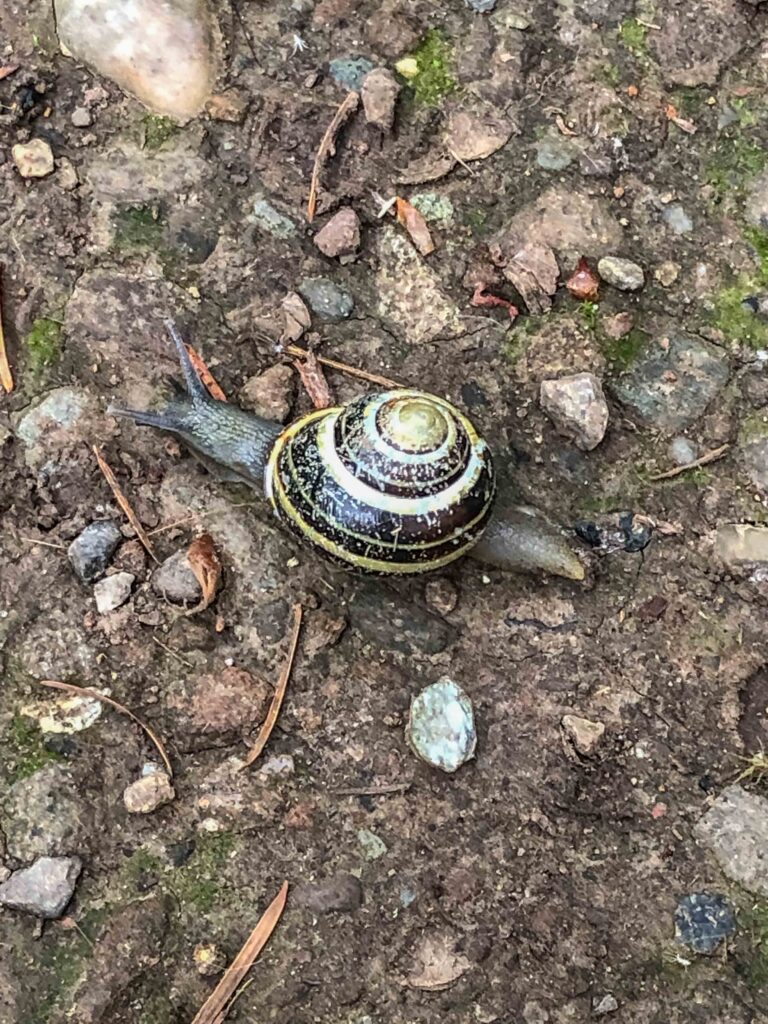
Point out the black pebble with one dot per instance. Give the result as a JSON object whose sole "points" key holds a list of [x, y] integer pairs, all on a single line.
{"points": [[590, 533], [635, 537]]}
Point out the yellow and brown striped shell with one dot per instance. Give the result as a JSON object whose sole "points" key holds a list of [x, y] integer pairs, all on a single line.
{"points": [[395, 482]]}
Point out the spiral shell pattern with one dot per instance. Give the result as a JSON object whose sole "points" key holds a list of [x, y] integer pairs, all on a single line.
{"points": [[396, 482]]}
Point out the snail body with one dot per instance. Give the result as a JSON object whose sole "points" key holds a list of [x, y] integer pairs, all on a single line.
{"points": [[397, 482]]}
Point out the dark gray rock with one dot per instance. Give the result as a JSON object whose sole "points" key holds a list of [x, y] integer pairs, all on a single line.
{"points": [[671, 384], [338, 894], [326, 298], [703, 920], [44, 889], [349, 72], [91, 551], [388, 623], [42, 815], [175, 581]]}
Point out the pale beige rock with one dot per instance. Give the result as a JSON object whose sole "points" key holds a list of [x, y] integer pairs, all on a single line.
{"points": [[741, 544], [583, 733], [148, 793], [380, 92], [577, 407], [270, 394], [160, 51], [33, 159]]}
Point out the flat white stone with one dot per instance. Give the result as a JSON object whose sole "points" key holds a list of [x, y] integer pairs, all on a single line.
{"points": [[441, 726]]}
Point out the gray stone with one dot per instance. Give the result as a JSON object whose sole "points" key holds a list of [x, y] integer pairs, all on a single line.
{"points": [[81, 117], [753, 449], [623, 274], [380, 92], [59, 409], [676, 219], [577, 407], [735, 829], [91, 551], [175, 581], [350, 72], [441, 726], [373, 846], [673, 381], [683, 451], [326, 298], [481, 6], [113, 591], [584, 734], [703, 921], [160, 51], [389, 623], [739, 544], [267, 218], [607, 1004], [555, 152], [339, 894], [42, 815], [44, 889]]}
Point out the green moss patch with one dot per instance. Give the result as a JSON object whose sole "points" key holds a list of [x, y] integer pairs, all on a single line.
{"points": [[138, 227], [622, 353], [634, 36], [157, 131], [198, 882], [753, 963], [435, 79], [43, 344], [735, 319], [25, 742]]}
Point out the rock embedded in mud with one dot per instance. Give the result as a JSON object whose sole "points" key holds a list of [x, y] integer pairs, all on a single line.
{"points": [[379, 93], [270, 394], [623, 274], [390, 623], [583, 733], [160, 51], [555, 153], [91, 551], [572, 223], [43, 814], [740, 544], [326, 298], [341, 235], [266, 217], [44, 889], [441, 596], [350, 72], [338, 894], [146, 794], [735, 829], [604, 1004], [441, 726], [175, 581], [219, 708], [33, 159], [676, 219], [577, 407], [113, 591], [703, 920], [373, 846], [667, 273], [683, 451]]}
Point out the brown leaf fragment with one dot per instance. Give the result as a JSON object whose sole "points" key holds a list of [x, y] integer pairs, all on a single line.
{"points": [[562, 127], [83, 691], [124, 504], [313, 379], [583, 283], [6, 377], [438, 963], [430, 167], [476, 134], [533, 271], [415, 225], [297, 318], [206, 565], [219, 1002], [205, 375], [327, 148], [482, 298], [8, 69]]}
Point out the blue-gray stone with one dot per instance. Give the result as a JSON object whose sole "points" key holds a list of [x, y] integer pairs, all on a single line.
{"points": [[683, 451], [677, 219], [481, 6], [271, 220], [441, 726], [703, 920], [326, 298], [350, 71], [91, 551], [554, 153]]}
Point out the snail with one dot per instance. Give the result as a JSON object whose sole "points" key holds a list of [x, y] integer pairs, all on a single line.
{"points": [[396, 482]]}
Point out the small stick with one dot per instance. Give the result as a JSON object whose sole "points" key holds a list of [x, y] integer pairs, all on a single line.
{"points": [[45, 543], [219, 1001], [83, 691], [170, 650], [392, 787], [334, 364], [327, 148], [282, 686], [6, 377], [705, 459], [124, 504]]}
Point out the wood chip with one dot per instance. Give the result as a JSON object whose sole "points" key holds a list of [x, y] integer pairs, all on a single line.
{"points": [[205, 375], [206, 565], [8, 69], [415, 225], [215, 1008], [124, 504], [84, 691], [353, 371], [328, 148], [6, 377], [313, 379], [705, 459], [279, 695]]}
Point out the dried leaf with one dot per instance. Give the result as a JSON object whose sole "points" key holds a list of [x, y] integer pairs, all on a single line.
{"points": [[206, 566], [475, 135], [533, 271], [563, 127], [584, 283], [218, 1003], [297, 319], [482, 298], [438, 964], [124, 504], [313, 379], [279, 695], [684, 125], [205, 375], [83, 691], [8, 69], [430, 167], [328, 148], [6, 377], [415, 225]]}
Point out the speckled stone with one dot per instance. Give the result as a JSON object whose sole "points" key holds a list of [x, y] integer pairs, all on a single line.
{"points": [[44, 889], [326, 298], [703, 920], [735, 829], [625, 275], [91, 551], [350, 72], [441, 726], [267, 218]]}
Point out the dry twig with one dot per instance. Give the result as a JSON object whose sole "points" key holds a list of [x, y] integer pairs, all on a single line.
{"points": [[705, 459], [282, 686], [8, 69], [392, 787], [6, 377], [220, 1000], [124, 504], [205, 375], [334, 364], [328, 148], [84, 691]]}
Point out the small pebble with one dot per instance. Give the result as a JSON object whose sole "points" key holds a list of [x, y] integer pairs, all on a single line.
{"points": [[33, 159], [667, 273], [44, 889], [441, 726], [270, 394], [271, 220], [622, 274], [229, 106], [175, 581], [554, 153], [67, 176], [676, 219], [606, 1004], [81, 117], [380, 92], [441, 596], [577, 407], [619, 325], [584, 734], [341, 235], [481, 6], [148, 793], [372, 845], [326, 298], [703, 920], [91, 551], [350, 72], [113, 591], [683, 451]]}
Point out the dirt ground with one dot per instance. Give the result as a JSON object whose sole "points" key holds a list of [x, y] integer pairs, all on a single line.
{"points": [[538, 879]]}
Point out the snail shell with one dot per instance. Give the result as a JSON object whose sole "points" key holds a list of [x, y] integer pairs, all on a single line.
{"points": [[394, 482]]}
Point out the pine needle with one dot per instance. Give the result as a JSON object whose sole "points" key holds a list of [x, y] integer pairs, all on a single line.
{"points": [[282, 686], [124, 504], [334, 364], [84, 691], [6, 377], [328, 148]]}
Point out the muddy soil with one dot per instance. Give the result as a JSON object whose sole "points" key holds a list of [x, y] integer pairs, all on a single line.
{"points": [[540, 879]]}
